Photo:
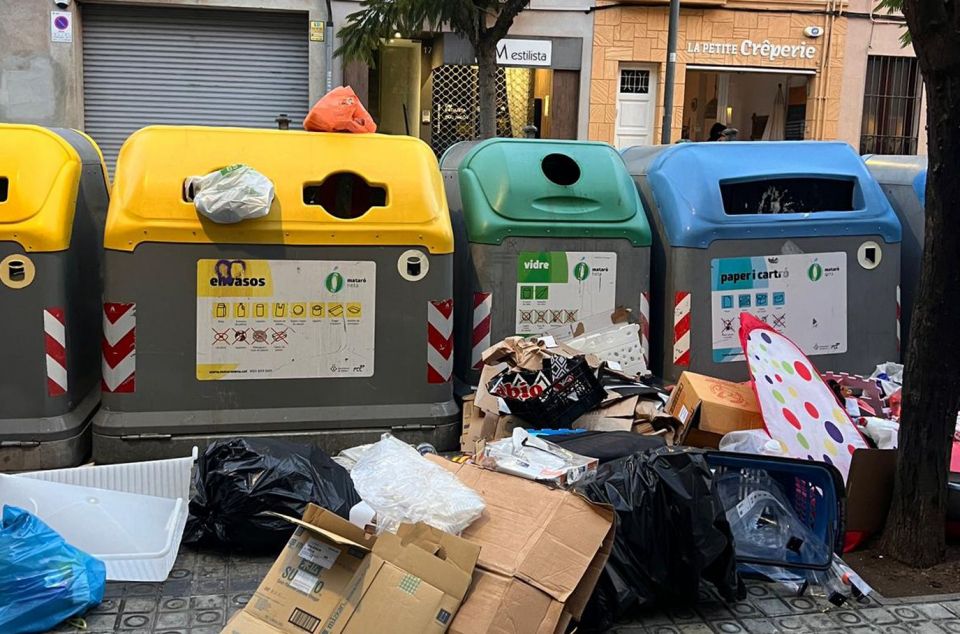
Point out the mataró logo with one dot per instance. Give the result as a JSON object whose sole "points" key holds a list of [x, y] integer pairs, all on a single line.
{"points": [[581, 271], [815, 272], [334, 282]]}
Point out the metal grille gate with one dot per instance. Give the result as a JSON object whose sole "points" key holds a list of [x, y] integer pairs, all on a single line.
{"points": [[456, 108]]}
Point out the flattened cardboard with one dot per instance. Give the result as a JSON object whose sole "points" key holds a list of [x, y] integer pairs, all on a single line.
{"points": [[713, 407], [503, 604], [616, 416], [592, 422], [484, 399], [551, 540], [487, 428], [333, 578], [473, 425], [869, 489]]}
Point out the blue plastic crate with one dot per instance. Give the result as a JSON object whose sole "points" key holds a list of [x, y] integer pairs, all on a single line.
{"points": [[815, 489]]}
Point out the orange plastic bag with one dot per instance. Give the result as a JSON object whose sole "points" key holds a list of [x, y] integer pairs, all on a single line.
{"points": [[339, 110]]}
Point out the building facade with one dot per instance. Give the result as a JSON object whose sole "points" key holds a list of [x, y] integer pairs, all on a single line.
{"points": [[737, 64], [884, 107], [774, 70], [790, 69], [426, 85], [118, 65]]}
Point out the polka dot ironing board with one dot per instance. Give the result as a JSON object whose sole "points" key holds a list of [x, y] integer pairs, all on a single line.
{"points": [[798, 408]]}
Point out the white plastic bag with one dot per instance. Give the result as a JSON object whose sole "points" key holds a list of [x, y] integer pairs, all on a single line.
{"points": [[753, 441], [882, 432], [889, 376], [231, 195], [404, 487]]}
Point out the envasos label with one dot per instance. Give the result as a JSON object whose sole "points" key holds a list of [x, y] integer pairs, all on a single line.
{"points": [[285, 319]]}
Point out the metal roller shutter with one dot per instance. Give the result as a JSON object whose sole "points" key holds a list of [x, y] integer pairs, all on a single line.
{"points": [[149, 65]]}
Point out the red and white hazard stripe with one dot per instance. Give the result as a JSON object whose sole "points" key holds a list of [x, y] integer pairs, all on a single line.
{"points": [[119, 347], [645, 327], [898, 319], [681, 328], [439, 340], [55, 345], [482, 304]]}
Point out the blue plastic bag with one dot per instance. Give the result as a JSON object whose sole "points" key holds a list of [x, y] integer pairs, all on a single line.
{"points": [[43, 579]]}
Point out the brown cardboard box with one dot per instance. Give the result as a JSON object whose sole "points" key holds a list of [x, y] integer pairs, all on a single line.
{"points": [[712, 407], [334, 579], [542, 551]]}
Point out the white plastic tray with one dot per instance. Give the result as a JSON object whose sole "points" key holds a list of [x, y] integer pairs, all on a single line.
{"points": [[130, 516], [615, 344]]}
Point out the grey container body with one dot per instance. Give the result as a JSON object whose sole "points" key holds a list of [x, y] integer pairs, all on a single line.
{"points": [[170, 410], [37, 430], [871, 300], [898, 176], [493, 269]]}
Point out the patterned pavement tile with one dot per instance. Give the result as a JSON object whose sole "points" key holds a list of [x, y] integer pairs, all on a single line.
{"points": [[205, 589]]}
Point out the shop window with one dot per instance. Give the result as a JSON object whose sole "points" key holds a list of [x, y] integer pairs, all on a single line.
{"points": [[803, 195], [891, 106], [345, 195], [634, 81]]}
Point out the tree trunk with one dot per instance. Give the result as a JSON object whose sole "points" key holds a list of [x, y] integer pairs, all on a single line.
{"points": [[931, 394], [487, 87]]}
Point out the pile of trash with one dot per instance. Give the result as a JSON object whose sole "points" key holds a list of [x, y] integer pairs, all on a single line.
{"points": [[584, 490]]}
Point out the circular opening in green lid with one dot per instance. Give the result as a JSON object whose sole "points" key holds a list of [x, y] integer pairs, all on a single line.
{"points": [[560, 169]]}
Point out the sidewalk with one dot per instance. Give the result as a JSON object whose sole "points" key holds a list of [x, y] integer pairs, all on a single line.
{"points": [[204, 590]]}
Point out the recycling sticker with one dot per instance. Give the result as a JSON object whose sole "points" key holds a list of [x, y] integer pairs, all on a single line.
{"points": [[563, 287], [803, 296], [285, 319]]}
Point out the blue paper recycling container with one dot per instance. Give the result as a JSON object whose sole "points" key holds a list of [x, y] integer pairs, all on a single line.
{"points": [[797, 233]]}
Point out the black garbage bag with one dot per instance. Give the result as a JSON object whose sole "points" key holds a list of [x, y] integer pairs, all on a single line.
{"points": [[238, 480], [671, 533]]}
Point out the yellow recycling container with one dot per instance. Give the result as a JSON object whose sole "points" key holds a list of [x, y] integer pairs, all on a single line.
{"points": [[53, 200], [328, 320]]}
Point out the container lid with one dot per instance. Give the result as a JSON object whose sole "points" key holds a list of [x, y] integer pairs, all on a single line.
{"points": [[750, 190], [39, 180], [909, 171], [330, 189], [546, 188]]}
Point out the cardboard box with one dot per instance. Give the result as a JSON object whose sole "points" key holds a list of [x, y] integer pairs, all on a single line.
{"points": [[712, 407], [331, 578], [542, 551]]}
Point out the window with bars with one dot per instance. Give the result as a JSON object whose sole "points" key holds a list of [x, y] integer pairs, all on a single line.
{"points": [[891, 106], [634, 81]]}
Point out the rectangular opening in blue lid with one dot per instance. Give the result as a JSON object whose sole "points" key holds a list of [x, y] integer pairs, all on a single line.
{"points": [[789, 195]]}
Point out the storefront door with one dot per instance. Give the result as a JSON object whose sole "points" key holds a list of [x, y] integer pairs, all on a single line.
{"points": [[636, 102]]}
